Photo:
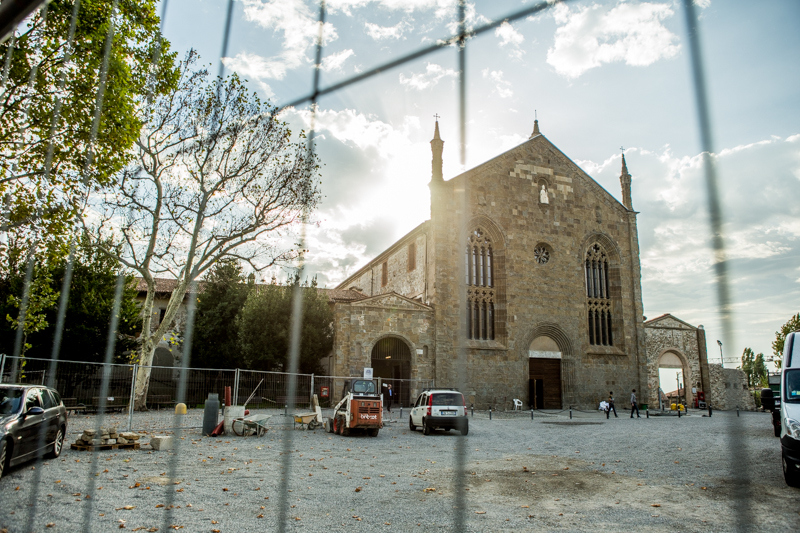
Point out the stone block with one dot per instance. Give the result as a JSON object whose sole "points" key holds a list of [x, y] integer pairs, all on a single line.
{"points": [[161, 442], [129, 435]]}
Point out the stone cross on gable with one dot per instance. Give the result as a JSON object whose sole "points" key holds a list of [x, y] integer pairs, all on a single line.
{"points": [[436, 116]]}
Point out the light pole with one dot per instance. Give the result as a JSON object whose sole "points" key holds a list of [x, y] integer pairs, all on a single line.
{"points": [[721, 359]]}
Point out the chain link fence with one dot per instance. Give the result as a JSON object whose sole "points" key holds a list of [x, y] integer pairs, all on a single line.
{"points": [[105, 387]]}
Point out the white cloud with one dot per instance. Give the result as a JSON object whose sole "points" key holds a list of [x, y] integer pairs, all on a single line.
{"points": [[299, 26], [386, 32], [335, 61], [510, 36], [256, 68], [502, 86], [590, 36], [422, 80]]}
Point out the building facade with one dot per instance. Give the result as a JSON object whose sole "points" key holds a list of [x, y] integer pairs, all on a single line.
{"points": [[525, 283]]}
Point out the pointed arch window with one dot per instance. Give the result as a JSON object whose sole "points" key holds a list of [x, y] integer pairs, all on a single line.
{"points": [[479, 273], [598, 297]]}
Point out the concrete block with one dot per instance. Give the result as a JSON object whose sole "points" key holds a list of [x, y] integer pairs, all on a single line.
{"points": [[161, 442]]}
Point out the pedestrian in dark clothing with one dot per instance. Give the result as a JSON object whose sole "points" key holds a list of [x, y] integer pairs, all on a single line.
{"points": [[611, 406], [634, 405], [389, 398]]}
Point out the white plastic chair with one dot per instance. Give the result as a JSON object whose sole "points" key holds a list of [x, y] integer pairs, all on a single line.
{"points": [[517, 404]]}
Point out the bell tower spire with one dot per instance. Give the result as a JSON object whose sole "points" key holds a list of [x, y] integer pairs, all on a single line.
{"points": [[437, 146], [625, 182]]}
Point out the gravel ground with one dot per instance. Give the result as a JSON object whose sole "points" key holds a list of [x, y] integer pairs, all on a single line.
{"points": [[587, 474]]}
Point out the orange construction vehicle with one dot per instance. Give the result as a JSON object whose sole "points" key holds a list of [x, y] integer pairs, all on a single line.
{"points": [[360, 409]]}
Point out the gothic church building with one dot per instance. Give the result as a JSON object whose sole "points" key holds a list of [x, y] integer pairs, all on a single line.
{"points": [[525, 283]]}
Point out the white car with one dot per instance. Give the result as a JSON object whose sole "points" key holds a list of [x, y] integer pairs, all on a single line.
{"points": [[790, 410], [439, 408]]}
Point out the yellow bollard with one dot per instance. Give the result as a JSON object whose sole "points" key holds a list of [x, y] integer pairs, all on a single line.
{"points": [[673, 407], [180, 409]]}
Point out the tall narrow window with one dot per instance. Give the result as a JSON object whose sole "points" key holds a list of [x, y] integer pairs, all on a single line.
{"points": [[384, 274], [598, 297], [412, 256], [479, 272]]}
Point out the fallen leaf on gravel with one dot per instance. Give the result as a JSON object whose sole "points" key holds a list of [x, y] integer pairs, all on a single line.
{"points": [[297, 518], [77, 494], [480, 512], [387, 523], [703, 488], [215, 531], [179, 490], [525, 507], [214, 522], [51, 524], [159, 505], [260, 516], [58, 481], [176, 527], [224, 490], [655, 505], [126, 507], [358, 489], [429, 489]]}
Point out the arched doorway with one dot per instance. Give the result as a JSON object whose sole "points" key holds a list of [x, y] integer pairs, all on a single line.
{"points": [[674, 378], [544, 374], [391, 361]]}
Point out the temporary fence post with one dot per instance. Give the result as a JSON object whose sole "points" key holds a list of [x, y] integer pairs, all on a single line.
{"points": [[709, 409], [531, 415], [737, 410], [401, 412], [2, 365], [570, 412], [472, 406], [235, 400], [310, 398], [286, 410], [647, 413], [679, 412], [133, 395], [490, 412]]}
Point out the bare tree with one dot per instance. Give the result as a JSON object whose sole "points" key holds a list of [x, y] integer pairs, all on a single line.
{"points": [[217, 176]]}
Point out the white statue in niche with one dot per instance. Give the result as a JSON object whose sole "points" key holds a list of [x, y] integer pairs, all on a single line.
{"points": [[543, 196]]}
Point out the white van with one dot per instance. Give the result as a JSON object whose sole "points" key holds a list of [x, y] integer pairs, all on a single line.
{"points": [[790, 410]]}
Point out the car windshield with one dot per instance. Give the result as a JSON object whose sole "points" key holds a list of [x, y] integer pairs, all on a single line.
{"points": [[447, 398], [10, 401], [792, 385]]}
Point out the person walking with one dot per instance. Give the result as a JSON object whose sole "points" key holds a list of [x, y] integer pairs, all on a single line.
{"points": [[634, 405], [389, 397], [611, 405]]}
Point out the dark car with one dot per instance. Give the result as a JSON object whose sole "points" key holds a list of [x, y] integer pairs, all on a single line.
{"points": [[24, 411]]}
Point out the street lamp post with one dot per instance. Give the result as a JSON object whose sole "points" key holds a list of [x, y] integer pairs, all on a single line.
{"points": [[721, 359]]}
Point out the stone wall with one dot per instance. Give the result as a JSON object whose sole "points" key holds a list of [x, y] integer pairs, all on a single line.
{"points": [[361, 324], [668, 335], [729, 389], [402, 277]]}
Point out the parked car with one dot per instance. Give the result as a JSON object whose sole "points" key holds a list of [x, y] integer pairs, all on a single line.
{"points": [[24, 411], [439, 408], [790, 410]]}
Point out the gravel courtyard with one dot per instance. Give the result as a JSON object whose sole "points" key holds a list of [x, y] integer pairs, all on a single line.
{"points": [[553, 473]]}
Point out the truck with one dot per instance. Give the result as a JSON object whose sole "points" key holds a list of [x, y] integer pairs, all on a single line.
{"points": [[360, 410], [790, 410]]}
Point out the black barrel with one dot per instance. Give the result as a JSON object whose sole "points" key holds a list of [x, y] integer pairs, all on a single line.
{"points": [[211, 413], [767, 399]]}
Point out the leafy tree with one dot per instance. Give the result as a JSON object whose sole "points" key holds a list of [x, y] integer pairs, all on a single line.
{"points": [[264, 325], [216, 336], [216, 175], [89, 307], [747, 365], [780, 337], [760, 372], [51, 94]]}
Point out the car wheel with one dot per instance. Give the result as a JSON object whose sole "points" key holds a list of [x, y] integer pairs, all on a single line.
{"points": [[373, 432], [345, 432], [790, 472], [58, 444], [777, 429], [3, 458], [465, 428], [426, 429], [411, 425]]}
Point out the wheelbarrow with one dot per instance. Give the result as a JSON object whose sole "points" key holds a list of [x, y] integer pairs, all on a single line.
{"points": [[250, 425], [309, 420]]}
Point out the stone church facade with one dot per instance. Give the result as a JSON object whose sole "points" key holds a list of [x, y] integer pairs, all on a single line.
{"points": [[525, 283]]}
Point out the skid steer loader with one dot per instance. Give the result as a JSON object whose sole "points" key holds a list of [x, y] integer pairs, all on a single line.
{"points": [[360, 409]]}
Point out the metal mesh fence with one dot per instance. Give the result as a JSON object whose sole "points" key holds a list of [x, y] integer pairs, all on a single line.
{"points": [[106, 387]]}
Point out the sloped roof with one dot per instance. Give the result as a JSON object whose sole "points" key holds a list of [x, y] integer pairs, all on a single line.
{"points": [[167, 285], [667, 317]]}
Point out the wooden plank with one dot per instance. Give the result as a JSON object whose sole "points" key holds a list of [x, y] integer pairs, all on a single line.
{"points": [[89, 447]]}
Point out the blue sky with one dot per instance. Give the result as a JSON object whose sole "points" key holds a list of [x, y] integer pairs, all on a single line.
{"points": [[600, 75]]}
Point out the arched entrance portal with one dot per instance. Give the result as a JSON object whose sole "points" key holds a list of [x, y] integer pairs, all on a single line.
{"points": [[674, 379], [391, 361], [544, 374]]}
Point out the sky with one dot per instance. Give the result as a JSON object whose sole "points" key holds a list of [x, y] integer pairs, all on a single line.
{"points": [[598, 75]]}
